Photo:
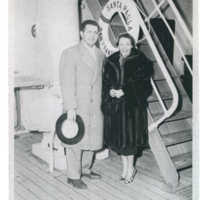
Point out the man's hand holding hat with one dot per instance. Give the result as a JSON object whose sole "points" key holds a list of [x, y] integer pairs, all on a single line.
{"points": [[70, 127], [71, 114]]}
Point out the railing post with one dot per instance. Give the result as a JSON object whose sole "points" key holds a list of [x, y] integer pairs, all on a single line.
{"points": [[163, 159]]}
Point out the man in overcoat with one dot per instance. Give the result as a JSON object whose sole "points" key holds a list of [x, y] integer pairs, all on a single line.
{"points": [[81, 86]]}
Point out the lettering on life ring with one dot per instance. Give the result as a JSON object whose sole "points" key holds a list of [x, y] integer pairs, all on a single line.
{"points": [[128, 9]]}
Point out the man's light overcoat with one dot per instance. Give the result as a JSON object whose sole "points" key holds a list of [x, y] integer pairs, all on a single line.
{"points": [[81, 86]]}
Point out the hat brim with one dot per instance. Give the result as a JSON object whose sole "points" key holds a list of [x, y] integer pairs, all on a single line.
{"points": [[77, 138]]}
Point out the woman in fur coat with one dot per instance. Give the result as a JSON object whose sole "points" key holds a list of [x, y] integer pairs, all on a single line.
{"points": [[126, 87]]}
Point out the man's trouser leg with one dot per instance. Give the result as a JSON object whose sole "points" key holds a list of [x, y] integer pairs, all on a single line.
{"points": [[87, 159], [73, 157], [77, 158]]}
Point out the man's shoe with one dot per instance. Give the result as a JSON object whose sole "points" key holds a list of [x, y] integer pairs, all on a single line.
{"points": [[92, 175], [77, 183]]}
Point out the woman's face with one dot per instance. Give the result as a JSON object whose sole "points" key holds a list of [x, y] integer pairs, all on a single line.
{"points": [[125, 46]]}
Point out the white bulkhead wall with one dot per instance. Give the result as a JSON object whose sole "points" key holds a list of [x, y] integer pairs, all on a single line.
{"points": [[57, 27], [22, 15]]}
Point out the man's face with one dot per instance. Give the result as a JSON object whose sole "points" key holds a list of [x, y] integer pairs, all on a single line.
{"points": [[90, 35]]}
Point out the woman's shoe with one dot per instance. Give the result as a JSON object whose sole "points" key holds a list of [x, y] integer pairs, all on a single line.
{"points": [[131, 178]]}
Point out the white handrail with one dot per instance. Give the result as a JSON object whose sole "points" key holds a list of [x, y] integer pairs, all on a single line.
{"points": [[172, 87], [152, 82], [123, 21], [155, 10], [158, 95], [181, 21], [177, 43], [170, 111]]}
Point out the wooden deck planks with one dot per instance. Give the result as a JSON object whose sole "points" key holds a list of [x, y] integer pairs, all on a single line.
{"points": [[146, 183], [23, 192], [186, 194], [108, 190], [36, 189], [115, 185], [48, 179], [18, 196], [42, 183], [99, 189], [146, 190], [33, 182]]}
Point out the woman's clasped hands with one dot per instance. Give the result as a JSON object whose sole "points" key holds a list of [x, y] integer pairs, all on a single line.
{"points": [[116, 93]]}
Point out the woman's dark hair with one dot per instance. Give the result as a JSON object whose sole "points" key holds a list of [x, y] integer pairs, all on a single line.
{"points": [[89, 22], [126, 35]]}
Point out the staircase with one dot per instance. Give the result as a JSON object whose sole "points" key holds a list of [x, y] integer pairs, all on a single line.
{"points": [[170, 109]]}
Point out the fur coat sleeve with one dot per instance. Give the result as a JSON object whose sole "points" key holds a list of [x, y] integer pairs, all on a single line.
{"points": [[137, 87]]}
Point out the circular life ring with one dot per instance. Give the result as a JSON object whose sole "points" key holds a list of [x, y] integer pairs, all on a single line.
{"points": [[127, 9]]}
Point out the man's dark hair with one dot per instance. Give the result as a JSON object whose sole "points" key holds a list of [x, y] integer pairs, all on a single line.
{"points": [[89, 22], [126, 35]]}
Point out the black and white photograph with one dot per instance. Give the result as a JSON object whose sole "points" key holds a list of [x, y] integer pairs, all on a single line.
{"points": [[103, 99]]}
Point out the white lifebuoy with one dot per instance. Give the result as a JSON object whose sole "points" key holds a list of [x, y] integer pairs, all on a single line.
{"points": [[128, 9]]}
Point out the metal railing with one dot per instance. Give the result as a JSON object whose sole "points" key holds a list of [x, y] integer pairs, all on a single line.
{"points": [[171, 110], [180, 20]]}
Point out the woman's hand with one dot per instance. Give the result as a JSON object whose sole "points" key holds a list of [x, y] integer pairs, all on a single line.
{"points": [[119, 93], [116, 93], [112, 93]]}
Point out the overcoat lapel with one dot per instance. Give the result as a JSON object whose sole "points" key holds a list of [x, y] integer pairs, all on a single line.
{"points": [[99, 60], [90, 61]]}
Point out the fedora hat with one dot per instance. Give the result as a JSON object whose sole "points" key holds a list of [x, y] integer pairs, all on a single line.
{"points": [[69, 131]]}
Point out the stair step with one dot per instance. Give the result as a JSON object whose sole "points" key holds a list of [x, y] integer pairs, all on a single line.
{"points": [[164, 96], [164, 79], [180, 161], [183, 160], [177, 137], [177, 116]]}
